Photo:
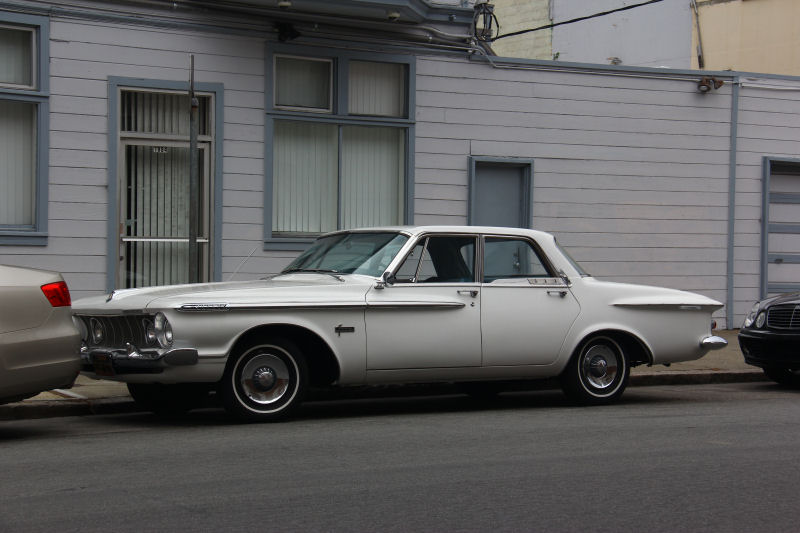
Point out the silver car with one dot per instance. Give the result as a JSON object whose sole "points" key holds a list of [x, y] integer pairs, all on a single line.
{"points": [[472, 305], [38, 338]]}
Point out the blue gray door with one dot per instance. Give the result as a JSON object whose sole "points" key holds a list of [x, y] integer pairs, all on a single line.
{"points": [[500, 193], [781, 237]]}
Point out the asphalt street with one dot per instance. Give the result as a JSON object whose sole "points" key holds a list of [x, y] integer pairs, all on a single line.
{"points": [[693, 457]]}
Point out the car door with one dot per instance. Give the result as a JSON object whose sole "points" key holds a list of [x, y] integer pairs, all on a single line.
{"points": [[526, 309], [428, 315]]}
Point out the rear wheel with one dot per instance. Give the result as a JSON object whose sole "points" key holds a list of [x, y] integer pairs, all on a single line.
{"points": [[265, 382], [597, 373], [784, 376]]}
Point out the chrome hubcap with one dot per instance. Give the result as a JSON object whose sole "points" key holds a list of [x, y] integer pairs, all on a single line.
{"points": [[600, 366], [265, 378]]}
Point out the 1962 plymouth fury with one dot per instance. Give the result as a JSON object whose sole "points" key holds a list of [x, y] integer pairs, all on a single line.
{"points": [[472, 305]]}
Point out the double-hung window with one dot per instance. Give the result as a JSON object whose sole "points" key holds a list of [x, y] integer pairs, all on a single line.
{"points": [[23, 123], [339, 128]]}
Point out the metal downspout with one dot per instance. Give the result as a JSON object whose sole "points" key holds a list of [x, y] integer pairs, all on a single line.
{"points": [[729, 314]]}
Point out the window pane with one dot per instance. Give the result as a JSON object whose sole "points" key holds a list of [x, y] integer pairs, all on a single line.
{"points": [[303, 83], [448, 260], [305, 164], [17, 163], [377, 89], [16, 57], [373, 170], [511, 258], [163, 113]]}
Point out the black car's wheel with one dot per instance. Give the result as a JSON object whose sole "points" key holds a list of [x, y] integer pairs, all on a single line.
{"points": [[265, 382], [597, 373], [168, 400], [784, 376]]}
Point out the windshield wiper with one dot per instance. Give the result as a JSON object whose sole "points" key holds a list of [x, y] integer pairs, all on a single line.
{"points": [[331, 273]]}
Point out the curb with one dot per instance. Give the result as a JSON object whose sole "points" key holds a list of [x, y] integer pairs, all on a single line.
{"points": [[124, 404]]}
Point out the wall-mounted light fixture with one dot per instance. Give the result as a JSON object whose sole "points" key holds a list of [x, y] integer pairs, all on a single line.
{"points": [[393, 16], [707, 83]]}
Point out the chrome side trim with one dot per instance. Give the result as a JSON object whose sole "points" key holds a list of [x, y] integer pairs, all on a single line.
{"points": [[713, 342], [310, 306]]}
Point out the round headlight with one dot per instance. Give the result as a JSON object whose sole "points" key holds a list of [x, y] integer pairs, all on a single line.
{"points": [[149, 332], [97, 331], [163, 330], [751, 316], [81, 325], [762, 318]]}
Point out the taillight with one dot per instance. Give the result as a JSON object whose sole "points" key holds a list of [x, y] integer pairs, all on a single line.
{"points": [[57, 293]]}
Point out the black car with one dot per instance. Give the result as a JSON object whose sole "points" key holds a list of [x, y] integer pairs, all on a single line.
{"points": [[770, 338]]}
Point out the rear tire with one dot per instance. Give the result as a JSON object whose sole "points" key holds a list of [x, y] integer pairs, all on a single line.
{"points": [[265, 382], [597, 373]]}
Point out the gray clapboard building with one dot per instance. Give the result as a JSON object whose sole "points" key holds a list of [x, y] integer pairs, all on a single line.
{"points": [[318, 115]]}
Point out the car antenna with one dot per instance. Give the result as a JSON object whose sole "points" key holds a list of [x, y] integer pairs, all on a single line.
{"points": [[242, 263]]}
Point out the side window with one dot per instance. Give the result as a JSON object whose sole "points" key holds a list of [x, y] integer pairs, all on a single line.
{"points": [[439, 259], [511, 258]]}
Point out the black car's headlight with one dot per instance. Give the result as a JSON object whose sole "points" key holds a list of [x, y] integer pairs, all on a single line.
{"points": [[163, 330], [751, 316], [761, 319]]}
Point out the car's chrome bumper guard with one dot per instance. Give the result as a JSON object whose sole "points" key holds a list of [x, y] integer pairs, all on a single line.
{"points": [[131, 360], [713, 342]]}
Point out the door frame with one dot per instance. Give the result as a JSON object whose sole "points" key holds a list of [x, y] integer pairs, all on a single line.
{"points": [[217, 91], [765, 286], [526, 164]]}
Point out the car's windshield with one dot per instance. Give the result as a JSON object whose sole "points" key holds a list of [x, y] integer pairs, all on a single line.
{"points": [[572, 261], [350, 253]]}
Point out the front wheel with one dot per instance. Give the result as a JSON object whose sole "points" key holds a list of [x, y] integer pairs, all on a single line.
{"points": [[265, 381], [597, 373]]}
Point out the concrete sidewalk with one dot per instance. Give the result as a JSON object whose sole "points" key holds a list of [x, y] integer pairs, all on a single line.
{"points": [[90, 396]]}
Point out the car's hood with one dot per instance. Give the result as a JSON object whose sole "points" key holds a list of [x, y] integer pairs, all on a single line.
{"points": [[646, 296], [293, 289], [785, 299]]}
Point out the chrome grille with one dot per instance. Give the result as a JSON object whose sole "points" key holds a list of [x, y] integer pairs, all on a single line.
{"points": [[784, 317], [120, 330]]}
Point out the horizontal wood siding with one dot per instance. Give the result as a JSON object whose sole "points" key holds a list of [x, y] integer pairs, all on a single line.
{"points": [[83, 56], [630, 173], [769, 125]]}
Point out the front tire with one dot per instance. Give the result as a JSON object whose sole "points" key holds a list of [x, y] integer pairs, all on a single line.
{"points": [[597, 373], [265, 382]]}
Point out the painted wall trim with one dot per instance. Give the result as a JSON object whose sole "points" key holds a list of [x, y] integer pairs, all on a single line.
{"points": [[731, 243], [523, 162], [114, 83]]}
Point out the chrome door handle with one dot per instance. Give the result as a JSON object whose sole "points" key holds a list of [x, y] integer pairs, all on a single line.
{"points": [[471, 292], [560, 294]]}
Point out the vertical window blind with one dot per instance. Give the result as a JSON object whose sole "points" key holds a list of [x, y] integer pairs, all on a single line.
{"points": [[17, 163]]}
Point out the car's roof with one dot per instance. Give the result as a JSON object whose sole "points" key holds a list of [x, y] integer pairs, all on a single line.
{"points": [[416, 230]]}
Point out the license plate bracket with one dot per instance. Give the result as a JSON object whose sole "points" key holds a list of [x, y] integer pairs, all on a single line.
{"points": [[103, 365]]}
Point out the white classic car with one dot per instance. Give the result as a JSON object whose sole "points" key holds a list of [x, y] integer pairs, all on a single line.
{"points": [[471, 305]]}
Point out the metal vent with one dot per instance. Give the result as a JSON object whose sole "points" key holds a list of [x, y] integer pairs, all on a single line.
{"points": [[784, 317]]}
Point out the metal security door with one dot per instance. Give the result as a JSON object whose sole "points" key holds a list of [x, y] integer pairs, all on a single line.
{"points": [[500, 193], [154, 230]]}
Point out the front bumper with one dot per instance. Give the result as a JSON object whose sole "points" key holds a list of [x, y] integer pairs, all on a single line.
{"points": [[131, 360], [765, 348]]}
